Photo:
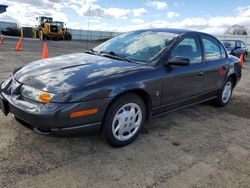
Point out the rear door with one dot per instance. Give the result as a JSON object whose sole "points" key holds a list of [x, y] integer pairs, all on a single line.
{"points": [[216, 60], [238, 49]]}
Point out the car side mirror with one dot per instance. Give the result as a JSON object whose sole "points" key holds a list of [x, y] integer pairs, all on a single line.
{"points": [[178, 61]]}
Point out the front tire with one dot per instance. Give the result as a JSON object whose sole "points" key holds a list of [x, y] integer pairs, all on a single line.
{"points": [[124, 120], [225, 93]]}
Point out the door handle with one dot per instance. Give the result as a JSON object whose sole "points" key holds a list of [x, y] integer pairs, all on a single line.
{"points": [[200, 74]]}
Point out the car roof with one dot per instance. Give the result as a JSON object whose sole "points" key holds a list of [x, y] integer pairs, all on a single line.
{"points": [[170, 30]]}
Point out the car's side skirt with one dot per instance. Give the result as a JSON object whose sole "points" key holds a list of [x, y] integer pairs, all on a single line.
{"points": [[181, 107], [183, 104]]}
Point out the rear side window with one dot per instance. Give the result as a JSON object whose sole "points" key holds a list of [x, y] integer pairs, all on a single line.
{"points": [[189, 48], [211, 48]]}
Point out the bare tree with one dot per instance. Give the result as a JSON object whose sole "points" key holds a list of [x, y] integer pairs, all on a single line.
{"points": [[236, 30]]}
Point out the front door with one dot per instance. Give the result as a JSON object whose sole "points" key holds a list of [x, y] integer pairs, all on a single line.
{"points": [[184, 83]]}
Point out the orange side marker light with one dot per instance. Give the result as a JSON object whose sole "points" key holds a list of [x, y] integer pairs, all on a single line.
{"points": [[84, 113]]}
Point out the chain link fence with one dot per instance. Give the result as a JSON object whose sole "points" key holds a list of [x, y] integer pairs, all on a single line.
{"points": [[102, 35], [91, 35]]}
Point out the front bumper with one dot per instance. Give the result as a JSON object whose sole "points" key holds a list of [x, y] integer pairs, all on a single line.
{"points": [[75, 130], [54, 118]]}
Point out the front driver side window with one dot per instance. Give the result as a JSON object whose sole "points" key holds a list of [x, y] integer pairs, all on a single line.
{"points": [[189, 48]]}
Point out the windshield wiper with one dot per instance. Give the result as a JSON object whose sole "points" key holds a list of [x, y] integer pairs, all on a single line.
{"points": [[92, 52], [108, 54], [116, 56]]}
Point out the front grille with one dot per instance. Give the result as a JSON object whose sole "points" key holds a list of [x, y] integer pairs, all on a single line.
{"points": [[12, 88], [6, 86]]}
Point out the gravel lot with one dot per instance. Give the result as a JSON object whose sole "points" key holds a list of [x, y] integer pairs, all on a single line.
{"points": [[200, 146]]}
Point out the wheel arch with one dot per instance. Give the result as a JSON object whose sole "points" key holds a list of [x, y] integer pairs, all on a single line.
{"points": [[234, 78], [140, 93]]}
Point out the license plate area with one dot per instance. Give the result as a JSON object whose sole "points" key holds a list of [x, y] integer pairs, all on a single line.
{"points": [[4, 106]]}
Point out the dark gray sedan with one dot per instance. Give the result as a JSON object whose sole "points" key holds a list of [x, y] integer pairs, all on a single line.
{"points": [[121, 83]]}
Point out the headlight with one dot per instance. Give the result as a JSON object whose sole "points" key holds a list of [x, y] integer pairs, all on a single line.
{"points": [[36, 95]]}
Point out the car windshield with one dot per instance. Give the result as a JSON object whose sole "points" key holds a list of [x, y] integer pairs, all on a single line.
{"points": [[229, 44], [142, 46]]}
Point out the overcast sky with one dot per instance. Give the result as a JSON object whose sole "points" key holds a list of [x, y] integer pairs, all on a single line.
{"points": [[211, 16]]}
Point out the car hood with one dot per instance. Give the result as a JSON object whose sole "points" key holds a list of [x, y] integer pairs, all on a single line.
{"points": [[229, 49], [73, 72]]}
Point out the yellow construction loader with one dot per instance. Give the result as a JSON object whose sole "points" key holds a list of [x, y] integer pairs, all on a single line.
{"points": [[49, 30]]}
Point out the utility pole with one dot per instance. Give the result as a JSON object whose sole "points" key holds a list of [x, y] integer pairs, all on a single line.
{"points": [[88, 28]]}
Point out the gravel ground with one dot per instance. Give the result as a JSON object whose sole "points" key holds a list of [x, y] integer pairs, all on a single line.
{"points": [[200, 146]]}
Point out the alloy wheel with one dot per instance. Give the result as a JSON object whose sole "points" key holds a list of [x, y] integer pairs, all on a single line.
{"points": [[227, 91], [127, 121]]}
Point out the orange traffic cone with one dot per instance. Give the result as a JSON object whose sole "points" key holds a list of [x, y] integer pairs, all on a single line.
{"points": [[242, 61], [19, 45], [1, 40], [45, 51]]}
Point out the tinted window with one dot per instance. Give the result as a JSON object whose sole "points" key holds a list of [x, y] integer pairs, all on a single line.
{"points": [[229, 44], [243, 45], [211, 48], [138, 45], [238, 45], [223, 52], [189, 48]]}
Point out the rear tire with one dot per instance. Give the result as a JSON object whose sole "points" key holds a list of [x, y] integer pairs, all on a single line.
{"points": [[124, 120], [225, 93], [69, 36], [245, 57]]}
